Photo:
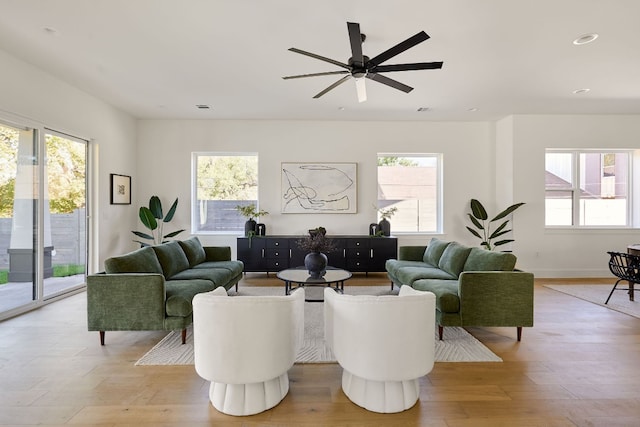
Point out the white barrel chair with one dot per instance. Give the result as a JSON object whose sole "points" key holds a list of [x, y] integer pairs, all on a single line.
{"points": [[384, 344], [245, 346]]}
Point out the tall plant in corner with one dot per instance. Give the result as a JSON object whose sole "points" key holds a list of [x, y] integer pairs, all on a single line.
{"points": [[153, 219], [480, 220]]}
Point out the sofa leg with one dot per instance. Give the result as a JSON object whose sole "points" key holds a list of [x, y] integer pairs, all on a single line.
{"points": [[519, 329], [236, 286], [184, 336], [440, 331], [101, 337], [392, 285]]}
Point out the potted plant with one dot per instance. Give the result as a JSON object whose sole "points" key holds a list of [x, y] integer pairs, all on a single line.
{"points": [[318, 245], [384, 226], [480, 219], [153, 219], [250, 212]]}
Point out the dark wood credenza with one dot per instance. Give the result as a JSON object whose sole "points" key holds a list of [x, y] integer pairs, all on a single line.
{"points": [[357, 253]]}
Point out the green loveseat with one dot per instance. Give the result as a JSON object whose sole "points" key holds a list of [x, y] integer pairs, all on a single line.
{"points": [[473, 286], [152, 288]]}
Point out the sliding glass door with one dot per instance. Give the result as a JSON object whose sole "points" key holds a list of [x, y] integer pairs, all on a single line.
{"points": [[43, 238], [19, 225], [65, 195]]}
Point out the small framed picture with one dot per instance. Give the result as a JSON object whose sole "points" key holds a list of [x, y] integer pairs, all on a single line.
{"points": [[120, 189]]}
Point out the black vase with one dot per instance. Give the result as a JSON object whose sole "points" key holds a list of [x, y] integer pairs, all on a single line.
{"points": [[316, 263], [250, 228], [385, 227]]}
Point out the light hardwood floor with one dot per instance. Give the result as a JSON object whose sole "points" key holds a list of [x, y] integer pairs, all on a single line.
{"points": [[578, 366]]}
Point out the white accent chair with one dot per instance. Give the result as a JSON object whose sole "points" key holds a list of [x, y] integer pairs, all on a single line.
{"points": [[245, 345], [384, 345]]}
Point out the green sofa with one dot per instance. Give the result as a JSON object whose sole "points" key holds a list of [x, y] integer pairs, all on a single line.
{"points": [[152, 288], [473, 286]]}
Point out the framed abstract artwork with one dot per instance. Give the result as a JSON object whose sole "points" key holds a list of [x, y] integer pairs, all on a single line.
{"points": [[319, 187], [120, 189]]}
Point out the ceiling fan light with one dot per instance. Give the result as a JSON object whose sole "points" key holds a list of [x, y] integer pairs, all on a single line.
{"points": [[361, 89]]}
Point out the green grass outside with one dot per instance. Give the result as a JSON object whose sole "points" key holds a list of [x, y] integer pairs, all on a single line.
{"points": [[65, 270], [62, 270]]}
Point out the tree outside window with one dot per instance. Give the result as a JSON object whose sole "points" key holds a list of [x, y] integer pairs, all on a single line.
{"points": [[222, 182]]}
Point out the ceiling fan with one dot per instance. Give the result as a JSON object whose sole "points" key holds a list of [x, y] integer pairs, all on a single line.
{"points": [[360, 66]]}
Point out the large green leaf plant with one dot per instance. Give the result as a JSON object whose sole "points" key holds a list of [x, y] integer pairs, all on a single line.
{"points": [[480, 220], [153, 219]]}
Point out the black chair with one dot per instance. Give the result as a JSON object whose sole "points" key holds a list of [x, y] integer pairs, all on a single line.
{"points": [[625, 267]]}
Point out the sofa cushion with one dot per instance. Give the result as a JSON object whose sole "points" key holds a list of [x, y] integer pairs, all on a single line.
{"points": [[172, 258], [394, 265], [235, 267], [408, 275], [143, 260], [453, 258], [193, 250], [434, 251], [446, 292], [218, 276], [484, 260], [180, 293]]}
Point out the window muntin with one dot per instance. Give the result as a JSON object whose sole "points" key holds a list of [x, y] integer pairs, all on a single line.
{"points": [[412, 184], [222, 181], [587, 188]]}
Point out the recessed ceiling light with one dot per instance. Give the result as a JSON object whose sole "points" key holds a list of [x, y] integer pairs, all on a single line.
{"points": [[341, 108], [580, 91], [51, 31], [472, 109], [423, 109], [585, 38], [203, 106]]}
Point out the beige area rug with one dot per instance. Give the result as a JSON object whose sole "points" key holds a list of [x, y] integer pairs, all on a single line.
{"points": [[458, 345], [597, 294]]}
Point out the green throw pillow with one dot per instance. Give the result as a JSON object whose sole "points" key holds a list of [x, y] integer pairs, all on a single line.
{"points": [[193, 250], [453, 258], [484, 260], [172, 258], [143, 260], [434, 251]]}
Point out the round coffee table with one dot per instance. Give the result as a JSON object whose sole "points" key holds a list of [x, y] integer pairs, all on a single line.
{"points": [[299, 277]]}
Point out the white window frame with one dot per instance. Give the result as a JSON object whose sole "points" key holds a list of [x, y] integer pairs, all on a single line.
{"points": [[439, 190], [575, 187], [194, 189]]}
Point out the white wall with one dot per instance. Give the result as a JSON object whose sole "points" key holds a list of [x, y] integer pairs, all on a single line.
{"points": [[31, 96], [564, 252], [467, 150], [499, 164]]}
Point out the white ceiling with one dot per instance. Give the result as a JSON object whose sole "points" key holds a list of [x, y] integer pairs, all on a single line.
{"points": [[159, 58]]}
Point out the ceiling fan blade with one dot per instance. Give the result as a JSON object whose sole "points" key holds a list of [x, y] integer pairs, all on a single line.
{"points": [[355, 38], [361, 89], [328, 73], [321, 58], [333, 86], [398, 49], [408, 67], [389, 82]]}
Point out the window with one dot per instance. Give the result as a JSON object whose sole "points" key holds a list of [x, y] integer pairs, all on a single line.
{"points": [[222, 181], [412, 184], [587, 188]]}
